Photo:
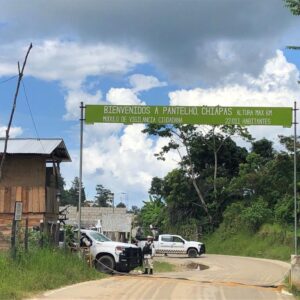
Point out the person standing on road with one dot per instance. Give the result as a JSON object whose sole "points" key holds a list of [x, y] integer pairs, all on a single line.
{"points": [[148, 253]]}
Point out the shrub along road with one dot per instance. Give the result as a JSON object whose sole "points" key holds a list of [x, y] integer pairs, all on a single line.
{"points": [[227, 277]]}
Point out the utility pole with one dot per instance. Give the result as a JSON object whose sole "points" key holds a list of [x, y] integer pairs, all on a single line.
{"points": [[295, 176], [80, 170], [21, 72]]}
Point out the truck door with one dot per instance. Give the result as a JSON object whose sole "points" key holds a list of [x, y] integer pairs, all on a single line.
{"points": [[178, 245], [165, 244]]}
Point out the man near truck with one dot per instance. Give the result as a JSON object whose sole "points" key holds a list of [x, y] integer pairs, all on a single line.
{"points": [[148, 253]]}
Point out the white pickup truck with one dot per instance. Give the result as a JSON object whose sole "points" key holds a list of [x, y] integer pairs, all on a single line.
{"points": [[108, 255], [175, 244]]}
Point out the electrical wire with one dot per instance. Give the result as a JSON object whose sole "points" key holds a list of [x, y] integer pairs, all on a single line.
{"points": [[31, 115], [8, 79]]}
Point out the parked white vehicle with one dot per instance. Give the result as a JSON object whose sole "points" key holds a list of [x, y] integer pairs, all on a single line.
{"points": [[175, 244], [108, 255]]}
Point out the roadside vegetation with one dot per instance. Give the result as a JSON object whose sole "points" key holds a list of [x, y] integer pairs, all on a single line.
{"points": [[40, 270], [271, 241], [238, 200]]}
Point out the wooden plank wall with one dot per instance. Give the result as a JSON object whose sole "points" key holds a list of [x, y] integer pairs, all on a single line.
{"points": [[6, 224], [51, 201], [33, 198]]}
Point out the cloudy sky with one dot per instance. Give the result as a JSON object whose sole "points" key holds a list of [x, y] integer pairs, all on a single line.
{"points": [[155, 52]]}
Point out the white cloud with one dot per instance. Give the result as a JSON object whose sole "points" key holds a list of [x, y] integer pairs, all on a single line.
{"points": [[69, 62], [275, 86], [123, 96], [73, 99], [122, 163], [14, 131], [140, 82], [192, 41]]}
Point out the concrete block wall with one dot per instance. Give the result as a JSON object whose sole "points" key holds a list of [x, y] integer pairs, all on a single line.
{"points": [[112, 220]]}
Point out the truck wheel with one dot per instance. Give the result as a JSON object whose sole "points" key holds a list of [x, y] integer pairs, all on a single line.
{"points": [[192, 252], [105, 264]]}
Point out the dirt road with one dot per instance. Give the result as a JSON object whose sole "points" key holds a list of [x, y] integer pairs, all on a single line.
{"points": [[211, 277]]}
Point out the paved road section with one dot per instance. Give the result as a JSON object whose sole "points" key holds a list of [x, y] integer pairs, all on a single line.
{"points": [[223, 268], [227, 278]]}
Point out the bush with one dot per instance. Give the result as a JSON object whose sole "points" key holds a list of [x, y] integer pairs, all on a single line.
{"points": [[277, 234], [284, 211], [256, 214], [232, 221]]}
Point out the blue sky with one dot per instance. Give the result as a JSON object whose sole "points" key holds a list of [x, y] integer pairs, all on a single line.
{"points": [[126, 52]]}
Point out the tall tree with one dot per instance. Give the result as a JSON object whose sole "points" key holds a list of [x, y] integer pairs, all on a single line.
{"points": [[187, 137], [74, 192], [264, 148], [103, 196], [152, 213], [179, 136], [217, 139], [64, 194]]}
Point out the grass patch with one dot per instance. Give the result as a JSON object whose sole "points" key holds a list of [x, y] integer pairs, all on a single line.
{"points": [[269, 242], [162, 266], [41, 270]]}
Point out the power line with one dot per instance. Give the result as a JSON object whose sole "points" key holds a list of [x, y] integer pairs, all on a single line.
{"points": [[31, 115], [8, 79]]}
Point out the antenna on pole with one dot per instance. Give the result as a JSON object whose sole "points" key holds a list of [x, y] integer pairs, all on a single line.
{"points": [[20, 76]]}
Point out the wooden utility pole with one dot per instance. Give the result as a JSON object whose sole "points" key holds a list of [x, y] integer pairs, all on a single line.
{"points": [[21, 72]]}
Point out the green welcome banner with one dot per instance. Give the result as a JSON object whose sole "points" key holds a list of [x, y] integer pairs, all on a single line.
{"points": [[208, 115]]}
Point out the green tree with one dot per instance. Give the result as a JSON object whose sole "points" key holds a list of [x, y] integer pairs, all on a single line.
{"points": [[256, 214], [293, 6], [179, 136], [152, 213], [103, 196], [64, 194], [121, 205], [74, 193], [134, 209], [284, 211], [202, 170], [264, 148], [216, 139]]}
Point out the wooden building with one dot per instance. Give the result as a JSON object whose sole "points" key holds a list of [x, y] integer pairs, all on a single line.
{"points": [[30, 175]]}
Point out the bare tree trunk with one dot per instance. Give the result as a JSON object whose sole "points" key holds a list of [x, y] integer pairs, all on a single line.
{"points": [[215, 173], [193, 178], [216, 163]]}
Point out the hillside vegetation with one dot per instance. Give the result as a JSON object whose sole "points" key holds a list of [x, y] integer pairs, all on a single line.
{"points": [[239, 200], [271, 241]]}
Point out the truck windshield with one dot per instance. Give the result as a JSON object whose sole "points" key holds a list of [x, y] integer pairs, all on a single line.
{"points": [[98, 236]]}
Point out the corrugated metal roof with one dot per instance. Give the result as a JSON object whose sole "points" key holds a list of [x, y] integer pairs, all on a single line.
{"points": [[48, 147]]}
